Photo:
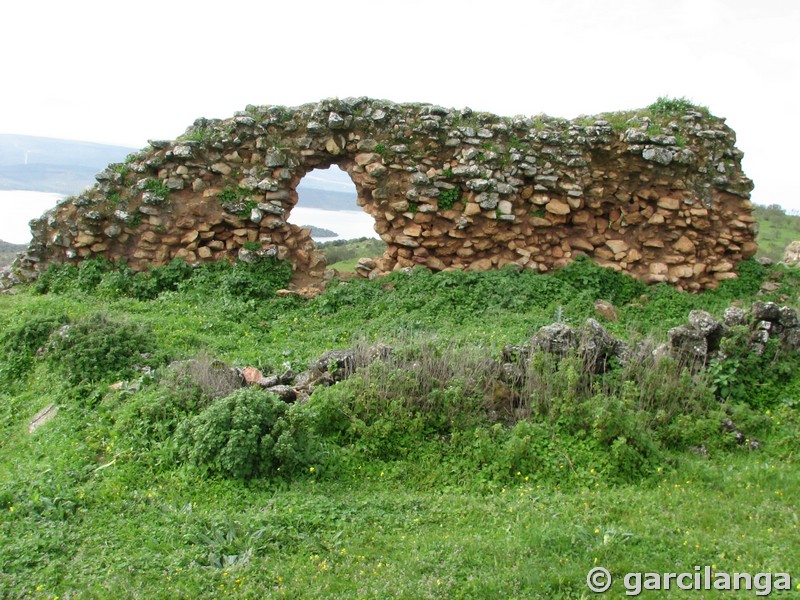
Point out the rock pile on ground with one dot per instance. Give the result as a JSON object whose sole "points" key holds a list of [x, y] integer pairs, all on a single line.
{"points": [[694, 344]]}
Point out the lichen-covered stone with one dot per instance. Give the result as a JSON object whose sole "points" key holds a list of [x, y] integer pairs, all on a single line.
{"points": [[557, 338], [734, 316]]}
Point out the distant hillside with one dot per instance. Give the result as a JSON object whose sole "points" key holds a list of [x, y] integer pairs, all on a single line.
{"points": [[8, 252], [52, 165], [60, 179], [326, 199], [776, 230], [320, 232]]}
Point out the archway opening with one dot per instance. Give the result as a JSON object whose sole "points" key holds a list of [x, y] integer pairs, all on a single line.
{"points": [[341, 229]]}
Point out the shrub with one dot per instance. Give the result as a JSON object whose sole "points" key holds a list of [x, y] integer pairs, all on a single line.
{"points": [[600, 282], [751, 275], [246, 434], [90, 273], [156, 187], [152, 414], [56, 279], [149, 284], [116, 282], [668, 106], [445, 384], [257, 281], [18, 345], [113, 280], [620, 427], [98, 348], [448, 198], [758, 381]]}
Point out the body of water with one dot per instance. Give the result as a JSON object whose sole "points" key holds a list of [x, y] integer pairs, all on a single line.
{"points": [[347, 224], [17, 208]]}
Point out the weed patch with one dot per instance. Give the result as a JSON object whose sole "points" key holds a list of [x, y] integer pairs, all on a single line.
{"points": [[98, 349], [243, 435]]}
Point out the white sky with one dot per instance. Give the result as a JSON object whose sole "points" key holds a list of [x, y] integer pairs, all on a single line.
{"points": [[125, 72]]}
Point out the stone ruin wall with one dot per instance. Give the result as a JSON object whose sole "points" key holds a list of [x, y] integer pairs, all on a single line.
{"points": [[663, 199]]}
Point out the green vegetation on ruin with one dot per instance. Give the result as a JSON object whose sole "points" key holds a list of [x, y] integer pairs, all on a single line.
{"points": [[660, 113]]}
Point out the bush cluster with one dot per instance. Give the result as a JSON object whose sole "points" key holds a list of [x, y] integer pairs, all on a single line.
{"points": [[98, 348], [623, 423], [458, 294], [438, 406], [246, 434], [760, 381], [116, 280], [19, 344]]}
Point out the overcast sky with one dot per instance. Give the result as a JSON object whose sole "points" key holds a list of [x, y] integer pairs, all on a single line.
{"points": [[125, 72]]}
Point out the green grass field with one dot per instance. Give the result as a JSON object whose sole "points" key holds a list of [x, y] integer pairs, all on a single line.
{"points": [[398, 482], [345, 266], [776, 231], [343, 255]]}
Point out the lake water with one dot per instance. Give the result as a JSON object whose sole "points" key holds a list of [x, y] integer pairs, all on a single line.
{"points": [[17, 208], [348, 224]]}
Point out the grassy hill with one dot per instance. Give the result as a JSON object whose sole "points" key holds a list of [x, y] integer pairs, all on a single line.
{"points": [[342, 255], [776, 230], [422, 475]]}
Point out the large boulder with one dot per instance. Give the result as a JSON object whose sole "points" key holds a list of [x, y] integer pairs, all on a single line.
{"points": [[285, 392], [688, 344], [711, 329], [765, 311], [596, 346], [558, 338], [339, 363], [791, 255], [734, 316], [696, 341]]}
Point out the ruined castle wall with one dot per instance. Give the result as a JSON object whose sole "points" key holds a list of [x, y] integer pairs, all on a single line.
{"points": [[663, 198]]}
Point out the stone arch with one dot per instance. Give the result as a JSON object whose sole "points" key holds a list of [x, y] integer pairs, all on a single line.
{"points": [[662, 197], [294, 166], [363, 200]]}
